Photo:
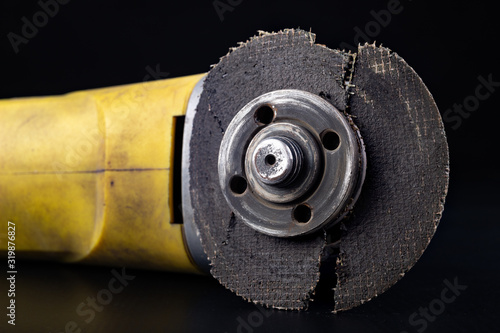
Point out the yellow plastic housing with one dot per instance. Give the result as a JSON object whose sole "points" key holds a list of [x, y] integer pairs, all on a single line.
{"points": [[88, 176]]}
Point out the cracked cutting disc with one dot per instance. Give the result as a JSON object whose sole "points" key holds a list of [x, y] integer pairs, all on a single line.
{"points": [[382, 100]]}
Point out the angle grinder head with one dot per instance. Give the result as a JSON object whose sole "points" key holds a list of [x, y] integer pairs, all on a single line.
{"points": [[292, 148]]}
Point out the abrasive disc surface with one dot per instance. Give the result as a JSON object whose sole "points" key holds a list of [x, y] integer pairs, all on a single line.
{"points": [[401, 200], [267, 270], [406, 181]]}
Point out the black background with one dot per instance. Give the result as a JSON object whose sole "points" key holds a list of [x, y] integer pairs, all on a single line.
{"points": [[91, 44]]}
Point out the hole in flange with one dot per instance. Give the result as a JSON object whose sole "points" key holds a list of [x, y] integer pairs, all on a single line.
{"points": [[330, 140], [238, 185], [264, 115], [270, 159], [302, 213]]}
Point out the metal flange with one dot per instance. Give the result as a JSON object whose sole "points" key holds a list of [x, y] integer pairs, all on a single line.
{"points": [[290, 163]]}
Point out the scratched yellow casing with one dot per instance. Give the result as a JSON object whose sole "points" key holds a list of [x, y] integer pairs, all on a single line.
{"points": [[88, 176]]}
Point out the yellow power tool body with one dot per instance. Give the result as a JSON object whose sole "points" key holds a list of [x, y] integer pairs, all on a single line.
{"points": [[88, 176]]}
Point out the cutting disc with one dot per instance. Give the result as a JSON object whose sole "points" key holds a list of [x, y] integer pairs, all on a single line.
{"points": [[387, 206]]}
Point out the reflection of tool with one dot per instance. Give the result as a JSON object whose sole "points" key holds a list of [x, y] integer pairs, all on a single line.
{"points": [[286, 154]]}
